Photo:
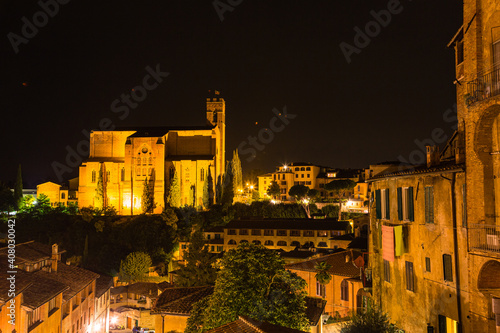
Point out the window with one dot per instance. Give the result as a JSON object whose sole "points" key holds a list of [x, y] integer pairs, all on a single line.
{"points": [[295, 243], [63, 196], [344, 290], [447, 268], [33, 317], [464, 206], [212, 248], [387, 271], [308, 175], [410, 279], [460, 52], [209, 236], [269, 243], [217, 236], [122, 176], [296, 169], [93, 176], [52, 305], [268, 232], [302, 169], [243, 232], [220, 248], [382, 204], [308, 233], [296, 176], [283, 182], [405, 203], [171, 173], [447, 325], [183, 246], [231, 242], [322, 244], [202, 175], [302, 176], [108, 176], [231, 232], [256, 242], [283, 191], [321, 185], [255, 232], [308, 169], [320, 289], [281, 233], [429, 204], [295, 233], [427, 264], [281, 243], [322, 233]]}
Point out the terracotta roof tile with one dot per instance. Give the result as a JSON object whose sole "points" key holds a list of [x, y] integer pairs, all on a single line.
{"points": [[245, 324], [180, 300], [340, 265]]}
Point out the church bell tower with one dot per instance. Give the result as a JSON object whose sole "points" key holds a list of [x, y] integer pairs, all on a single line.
{"points": [[216, 116]]}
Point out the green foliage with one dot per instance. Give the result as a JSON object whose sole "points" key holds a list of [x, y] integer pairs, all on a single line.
{"points": [[135, 266], [371, 321], [339, 187], [253, 282], [330, 210], [227, 186], [148, 198], [313, 195], [18, 188], [199, 269], [236, 172], [323, 275], [273, 190], [7, 202], [299, 192], [174, 193], [100, 191]]}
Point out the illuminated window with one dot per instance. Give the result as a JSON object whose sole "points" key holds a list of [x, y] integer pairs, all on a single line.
{"points": [[93, 176], [322, 233]]}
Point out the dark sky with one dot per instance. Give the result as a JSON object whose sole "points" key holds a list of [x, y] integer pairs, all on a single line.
{"points": [[263, 55]]}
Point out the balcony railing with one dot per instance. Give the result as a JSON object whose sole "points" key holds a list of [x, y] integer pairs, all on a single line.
{"points": [[484, 237], [485, 86]]}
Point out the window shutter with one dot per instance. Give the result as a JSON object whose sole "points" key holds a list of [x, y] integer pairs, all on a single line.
{"points": [[447, 267], [400, 204], [410, 204], [442, 324], [378, 204], [387, 205]]}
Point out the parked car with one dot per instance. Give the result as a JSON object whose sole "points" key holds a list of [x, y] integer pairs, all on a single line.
{"points": [[139, 329]]}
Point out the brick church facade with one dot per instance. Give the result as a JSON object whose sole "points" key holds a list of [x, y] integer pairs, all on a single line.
{"points": [[126, 158]]}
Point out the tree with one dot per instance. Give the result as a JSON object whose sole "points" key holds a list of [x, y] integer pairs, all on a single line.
{"points": [[100, 191], [7, 202], [323, 275], [227, 186], [18, 188], [236, 172], [148, 199], [208, 191], [174, 193], [135, 266], [273, 190], [253, 282], [199, 269], [339, 188], [299, 192], [371, 321]]}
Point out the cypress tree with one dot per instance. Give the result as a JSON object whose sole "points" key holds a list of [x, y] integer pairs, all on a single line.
{"points": [[148, 201], [99, 196], [237, 172], [174, 193]]}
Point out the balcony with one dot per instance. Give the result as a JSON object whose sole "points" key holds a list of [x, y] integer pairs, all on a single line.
{"points": [[483, 87], [484, 237]]}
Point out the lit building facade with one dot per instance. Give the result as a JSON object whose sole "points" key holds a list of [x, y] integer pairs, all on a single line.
{"points": [[125, 159]]}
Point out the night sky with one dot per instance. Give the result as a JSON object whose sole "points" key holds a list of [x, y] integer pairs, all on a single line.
{"points": [[262, 55]]}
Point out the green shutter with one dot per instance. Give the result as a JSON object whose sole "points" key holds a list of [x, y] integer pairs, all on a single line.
{"points": [[400, 204], [410, 204], [378, 204], [387, 205]]}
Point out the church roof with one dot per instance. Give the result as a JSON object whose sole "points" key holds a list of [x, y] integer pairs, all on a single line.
{"points": [[158, 131]]}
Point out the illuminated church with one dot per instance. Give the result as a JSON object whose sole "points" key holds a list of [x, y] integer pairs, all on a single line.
{"points": [[127, 157]]}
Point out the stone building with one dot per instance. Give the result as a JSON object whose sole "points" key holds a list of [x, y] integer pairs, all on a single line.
{"points": [[125, 158], [477, 46]]}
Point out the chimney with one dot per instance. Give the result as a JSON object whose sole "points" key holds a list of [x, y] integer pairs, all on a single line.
{"points": [[55, 255], [432, 155]]}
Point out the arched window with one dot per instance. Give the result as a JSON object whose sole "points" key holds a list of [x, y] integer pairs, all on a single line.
{"points": [[139, 159], [281, 243], [63, 196], [297, 169], [150, 160], [269, 243], [93, 176], [108, 176], [295, 243], [308, 169], [123, 174], [256, 242], [344, 290], [243, 241], [231, 242], [302, 169]]}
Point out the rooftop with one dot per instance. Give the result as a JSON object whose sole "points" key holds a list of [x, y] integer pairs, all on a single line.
{"points": [[296, 224], [246, 324], [342, 264], [180, 300], [31, 252], [421, 169]]}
